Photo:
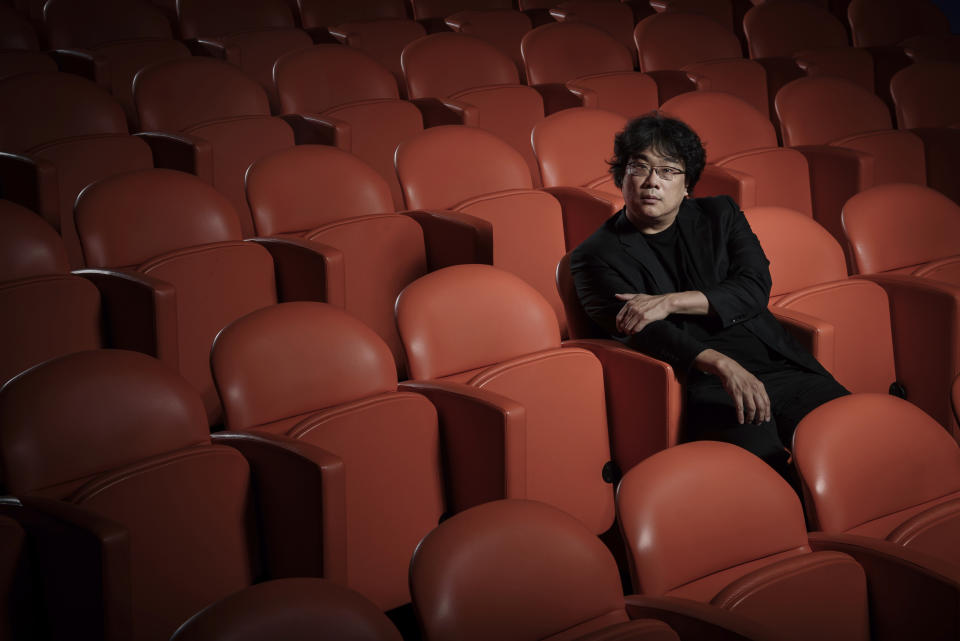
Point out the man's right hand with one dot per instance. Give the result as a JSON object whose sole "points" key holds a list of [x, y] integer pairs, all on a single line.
{"points": [[748, 393]]}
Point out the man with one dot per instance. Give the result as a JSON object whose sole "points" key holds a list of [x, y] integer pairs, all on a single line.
{"points": [[686, 281]]}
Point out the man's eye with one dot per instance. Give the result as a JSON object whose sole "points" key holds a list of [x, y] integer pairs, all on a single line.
{"points": [[673, 171]]}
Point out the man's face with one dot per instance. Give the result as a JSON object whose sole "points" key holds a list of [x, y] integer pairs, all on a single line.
{"points": [[653, 201]]}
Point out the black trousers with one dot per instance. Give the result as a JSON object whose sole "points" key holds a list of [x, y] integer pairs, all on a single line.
{"points": [[712, 415]]}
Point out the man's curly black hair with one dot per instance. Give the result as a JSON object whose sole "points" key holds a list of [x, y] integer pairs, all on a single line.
{"points": [[667, 136]]}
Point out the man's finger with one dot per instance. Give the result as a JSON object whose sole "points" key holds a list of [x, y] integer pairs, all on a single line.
{"points": [[624, 296], [739, 412]]}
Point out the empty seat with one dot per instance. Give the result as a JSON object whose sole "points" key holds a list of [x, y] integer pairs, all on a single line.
{"points": [[535, 414], [875, 23], [17, 61], [320, 14], [877, 466], [720, 11], [927, 94], [60, 134], [502, 28], [711, 523], [334, 200], [572, 148], [835, 112], [916, 260], [470, 82], [809, 274], [206, 117], [16, 31], [561, 57], [251, 34], [383, 40], [615, 18], [524, 571], [743, 159], [300, 609], [181, 238], [354, 99], [674, 44], [314, 373], [468, 170], [431, 13], [50, 312], [795, 32], [119, 37], [109, 453]]}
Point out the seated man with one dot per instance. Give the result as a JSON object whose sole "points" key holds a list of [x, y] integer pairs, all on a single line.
{"points": [[685, 280]]}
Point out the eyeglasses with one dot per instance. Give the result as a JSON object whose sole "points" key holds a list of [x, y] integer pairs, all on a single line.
{"points": [[642, 170]]}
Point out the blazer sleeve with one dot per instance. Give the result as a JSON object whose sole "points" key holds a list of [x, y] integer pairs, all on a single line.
{"points": [[743, 288], [597, 284]]}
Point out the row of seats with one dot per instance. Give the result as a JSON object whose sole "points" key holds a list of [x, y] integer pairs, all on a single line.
{"points": [[351, 489]]}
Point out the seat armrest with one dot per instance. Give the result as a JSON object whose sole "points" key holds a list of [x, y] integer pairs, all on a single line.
{"points": [[483, 437], [300, 495], [912, 595], [85, 63], [644, 401], [925, 318], [139, 312], [454, 238], [313, 129], [82, 565], [717, 180], [31, 182], [306, 270], [212, 48], [671, 82], [696, 621], [182, 152], [583, 212], [815, 334], [436, 111], [557, 97]]}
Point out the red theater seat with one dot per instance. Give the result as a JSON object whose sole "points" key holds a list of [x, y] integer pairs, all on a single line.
{"points": [[312, 373]]}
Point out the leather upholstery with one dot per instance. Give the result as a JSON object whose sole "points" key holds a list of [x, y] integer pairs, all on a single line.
{"points": [[926, 94], [562, 51], [774, 176], [877, 465], [782, 29], [52, 312], [298, 609], [703, 38], [887, 22], [16, 31], [739, 542], [882, 240], [124, 438], [382, 39], [323, 13], [174, 95], [201, 18], [54, 106], [503, 338], [504, 29], [517, 570], [72, 25], [614, 19], [315, 373]]}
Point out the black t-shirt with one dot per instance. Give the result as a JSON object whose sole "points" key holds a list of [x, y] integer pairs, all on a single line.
{"points": [[735, 341]]}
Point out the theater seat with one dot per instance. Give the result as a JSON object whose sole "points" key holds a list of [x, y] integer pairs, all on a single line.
{"points": [[711, 523], [675, 46], [205, 117], [502, 28], [169, 237], [353, 100], [300, 609], [572, 148], [877, 466], [926, 95], [524, 571], [615, 18], [459, 79], [853, 338], [521, 416], [61, 134], [312, 373], [251, 36], [743, 159], [127, 500], [382, 39], [473, 172], [565, 61]]}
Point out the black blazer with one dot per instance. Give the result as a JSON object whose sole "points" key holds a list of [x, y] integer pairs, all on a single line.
{"points": [[730, 268]]}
